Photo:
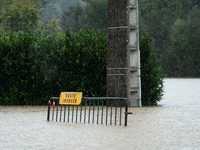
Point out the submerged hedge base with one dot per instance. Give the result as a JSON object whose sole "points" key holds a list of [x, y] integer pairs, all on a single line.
{"points": [[35, 67]]}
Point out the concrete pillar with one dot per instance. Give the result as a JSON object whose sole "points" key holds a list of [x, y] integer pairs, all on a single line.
{"points": [[123, 56]]}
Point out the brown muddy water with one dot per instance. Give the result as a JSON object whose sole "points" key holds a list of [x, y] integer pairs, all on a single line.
{"points": [[173, 124]]}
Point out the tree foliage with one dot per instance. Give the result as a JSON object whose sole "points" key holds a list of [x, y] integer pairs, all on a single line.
{"points": [[173, 25], [24, 15], [96, 12], [157, 16], [19, 15], [92, 15], [183, 54], [73, 18]]}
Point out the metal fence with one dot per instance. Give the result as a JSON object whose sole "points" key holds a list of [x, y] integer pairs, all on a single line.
{"points": [[92, 110]]}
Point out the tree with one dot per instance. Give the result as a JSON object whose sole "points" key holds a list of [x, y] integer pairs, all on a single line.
{"points": [[96, 12], [183, 54], [166, 21], [2, 2], [57, 9], [19, 15], [157, 17], [73, 18], [89, 15]]}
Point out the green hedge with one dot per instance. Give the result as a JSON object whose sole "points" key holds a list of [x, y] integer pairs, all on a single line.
{"points": [[151, 73], [35, 66]]}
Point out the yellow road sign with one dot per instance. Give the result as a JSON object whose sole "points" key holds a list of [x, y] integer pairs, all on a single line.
{"points": [[70, 98]]}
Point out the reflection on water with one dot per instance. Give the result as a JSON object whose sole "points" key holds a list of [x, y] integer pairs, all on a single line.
{"points": [[173, 124]]}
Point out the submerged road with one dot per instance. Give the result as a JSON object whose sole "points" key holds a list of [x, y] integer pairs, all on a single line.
{"points": [[173, 124]]}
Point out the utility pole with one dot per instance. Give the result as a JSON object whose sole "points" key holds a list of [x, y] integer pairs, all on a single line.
{"points": [[123, 55]]}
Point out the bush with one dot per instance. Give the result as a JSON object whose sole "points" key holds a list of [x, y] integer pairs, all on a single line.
{"points": [[151, 74], [35, 67]]}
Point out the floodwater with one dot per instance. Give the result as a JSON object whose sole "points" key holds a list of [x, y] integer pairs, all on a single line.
{"points": [[173, 124]]}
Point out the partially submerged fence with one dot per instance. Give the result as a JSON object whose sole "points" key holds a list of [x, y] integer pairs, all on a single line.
{"points": [[95, 110]]}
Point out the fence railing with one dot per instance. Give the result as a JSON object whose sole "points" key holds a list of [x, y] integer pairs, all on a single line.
{"points": [[95, 110]]}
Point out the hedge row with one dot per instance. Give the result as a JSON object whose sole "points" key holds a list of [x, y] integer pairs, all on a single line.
{"points": [[151, 73], [35, 66]]}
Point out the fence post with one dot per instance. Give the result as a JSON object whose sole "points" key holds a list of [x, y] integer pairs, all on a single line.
{"points": [[126, 115], [48, 112]]}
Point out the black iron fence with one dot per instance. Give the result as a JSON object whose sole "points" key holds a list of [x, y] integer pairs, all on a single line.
{"points": [[95, 110]]}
